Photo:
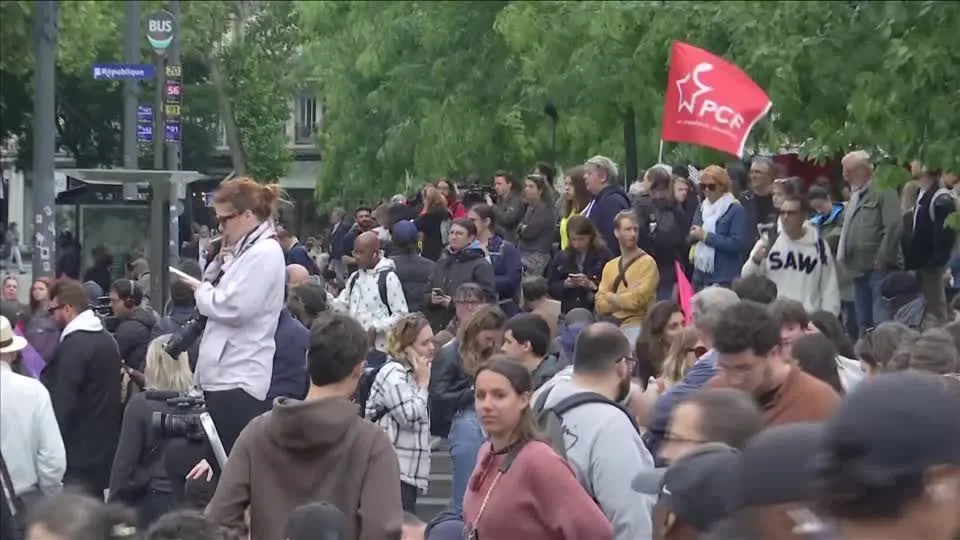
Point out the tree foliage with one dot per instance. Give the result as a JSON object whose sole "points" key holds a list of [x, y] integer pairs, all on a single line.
{"points": [[423, 87], [437, 88], [255, 45], [258, 72]]}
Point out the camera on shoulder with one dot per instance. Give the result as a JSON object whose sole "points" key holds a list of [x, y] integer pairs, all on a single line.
{"points": [[185, 416]]}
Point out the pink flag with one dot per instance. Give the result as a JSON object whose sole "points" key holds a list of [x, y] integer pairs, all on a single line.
{"points": [[684, 292]]}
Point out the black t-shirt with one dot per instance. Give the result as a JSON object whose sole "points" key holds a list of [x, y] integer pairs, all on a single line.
{"points": [[766, 213]]}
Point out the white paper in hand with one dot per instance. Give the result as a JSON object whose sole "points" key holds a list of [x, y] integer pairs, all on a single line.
{"points": [[184, 277]]}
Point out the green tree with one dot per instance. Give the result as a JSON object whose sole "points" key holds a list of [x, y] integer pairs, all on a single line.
{"points": [[251, 51], [422, 88], [257, 70]]}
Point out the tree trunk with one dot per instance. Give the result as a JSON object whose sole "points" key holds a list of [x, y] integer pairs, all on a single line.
{"points": [[234, 142]]}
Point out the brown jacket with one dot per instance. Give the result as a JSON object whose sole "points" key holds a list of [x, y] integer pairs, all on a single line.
{"points": [[801, 398], [311, 451]]}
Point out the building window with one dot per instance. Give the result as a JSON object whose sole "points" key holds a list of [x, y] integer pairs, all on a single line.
{"points": [[308, 117]]}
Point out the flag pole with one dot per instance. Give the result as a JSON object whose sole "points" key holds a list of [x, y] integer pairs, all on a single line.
{"points": [[660, 153]]}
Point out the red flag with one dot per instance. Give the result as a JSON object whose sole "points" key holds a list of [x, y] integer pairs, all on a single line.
{"points": [[684, 293], [710, 101]]}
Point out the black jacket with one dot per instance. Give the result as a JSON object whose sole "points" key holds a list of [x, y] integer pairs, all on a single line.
{"points": [[139, 461], [548, 367], [68, 262], [662, 233], [755, 207], [508, 212], [414, 272], [101, 276], [564, 264], [83, 379], [430, 225], [450, 389], [469, 265], [928, 243], [133, 335]]}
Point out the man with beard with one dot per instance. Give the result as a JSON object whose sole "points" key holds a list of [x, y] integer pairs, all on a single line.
{"points": [[363, 222], [83, 379], [661, 229], [601, 440]]}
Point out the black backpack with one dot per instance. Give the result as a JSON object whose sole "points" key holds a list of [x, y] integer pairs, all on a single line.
{"points": [[550, 419], [364, 389], [381, 285]]}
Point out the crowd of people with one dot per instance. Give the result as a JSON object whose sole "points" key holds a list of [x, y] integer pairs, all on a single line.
{"points": [[807, 386]]}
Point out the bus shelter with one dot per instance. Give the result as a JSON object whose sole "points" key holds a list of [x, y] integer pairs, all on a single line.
{"points": [[167, 192]]}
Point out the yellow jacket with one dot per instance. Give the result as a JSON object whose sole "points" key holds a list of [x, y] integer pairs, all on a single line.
{"points": [[635, 293]]}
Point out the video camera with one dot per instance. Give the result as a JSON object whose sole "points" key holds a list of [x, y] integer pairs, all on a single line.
{"points": [[102, 309], [186, 336], [187, 418], [473, 194]]}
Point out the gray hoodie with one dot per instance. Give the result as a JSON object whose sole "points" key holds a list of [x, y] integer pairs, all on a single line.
{"points": [[607, 453]]}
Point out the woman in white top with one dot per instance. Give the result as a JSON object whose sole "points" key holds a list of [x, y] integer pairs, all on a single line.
{"points": [[398, 402]]}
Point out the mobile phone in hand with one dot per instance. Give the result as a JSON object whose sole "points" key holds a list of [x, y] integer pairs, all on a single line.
{"points": [[437, 292]]}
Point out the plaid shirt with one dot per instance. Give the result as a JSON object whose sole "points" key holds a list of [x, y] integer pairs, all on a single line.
{"points": [[406, 422]]}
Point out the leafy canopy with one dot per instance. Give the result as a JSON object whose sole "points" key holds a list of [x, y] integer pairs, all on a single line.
{"points": [[434, 88]]}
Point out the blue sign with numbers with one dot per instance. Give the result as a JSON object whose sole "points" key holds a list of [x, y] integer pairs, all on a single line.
{"points": [[172, 132]]}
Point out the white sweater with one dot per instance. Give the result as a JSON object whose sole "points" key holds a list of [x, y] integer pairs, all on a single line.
{"points": [[803, 269]]}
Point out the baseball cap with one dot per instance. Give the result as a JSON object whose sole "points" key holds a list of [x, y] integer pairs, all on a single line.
{"points": [[779, 465], [405, 232], [699, 487], [897, 423], [899, 283]]}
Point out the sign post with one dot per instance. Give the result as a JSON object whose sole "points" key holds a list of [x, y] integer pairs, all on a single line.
{"points": [[161, 27]]}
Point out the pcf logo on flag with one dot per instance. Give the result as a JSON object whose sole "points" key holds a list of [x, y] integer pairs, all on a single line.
{"points": [[709, 101], [695, 89]]}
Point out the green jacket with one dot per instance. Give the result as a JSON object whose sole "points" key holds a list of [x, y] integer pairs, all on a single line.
{"points": [[872, 232]]}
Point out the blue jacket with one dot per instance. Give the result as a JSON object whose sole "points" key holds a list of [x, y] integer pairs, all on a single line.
{"points": [[337, 247], [289, 377], [507, 272], [299, 255], [696, 377], [819, 221], [729, 241], [606, 205]]}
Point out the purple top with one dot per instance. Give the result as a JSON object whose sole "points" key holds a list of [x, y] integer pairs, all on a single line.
{"points": [[33, 363]]}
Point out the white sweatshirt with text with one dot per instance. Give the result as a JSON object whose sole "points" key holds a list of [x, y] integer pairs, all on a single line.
{"points": [[803, 269]]}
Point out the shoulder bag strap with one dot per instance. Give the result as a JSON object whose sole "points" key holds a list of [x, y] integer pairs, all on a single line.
{"points": [[622, 276], [17, 507]]}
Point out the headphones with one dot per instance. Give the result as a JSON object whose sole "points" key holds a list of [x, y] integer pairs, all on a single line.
{"points": [[134, 298]]}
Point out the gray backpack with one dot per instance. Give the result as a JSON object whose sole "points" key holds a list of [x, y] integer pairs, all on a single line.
{"points": [[550, 419]]}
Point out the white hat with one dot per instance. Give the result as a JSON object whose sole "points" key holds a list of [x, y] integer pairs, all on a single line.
{"points": [[9, 342]]}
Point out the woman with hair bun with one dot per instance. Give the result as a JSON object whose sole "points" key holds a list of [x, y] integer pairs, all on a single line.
{"points": [[241, 297], [398, 402]]}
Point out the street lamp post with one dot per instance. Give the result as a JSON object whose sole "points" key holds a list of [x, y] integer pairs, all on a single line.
{"points": [[45, 15], [551, 111]]}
